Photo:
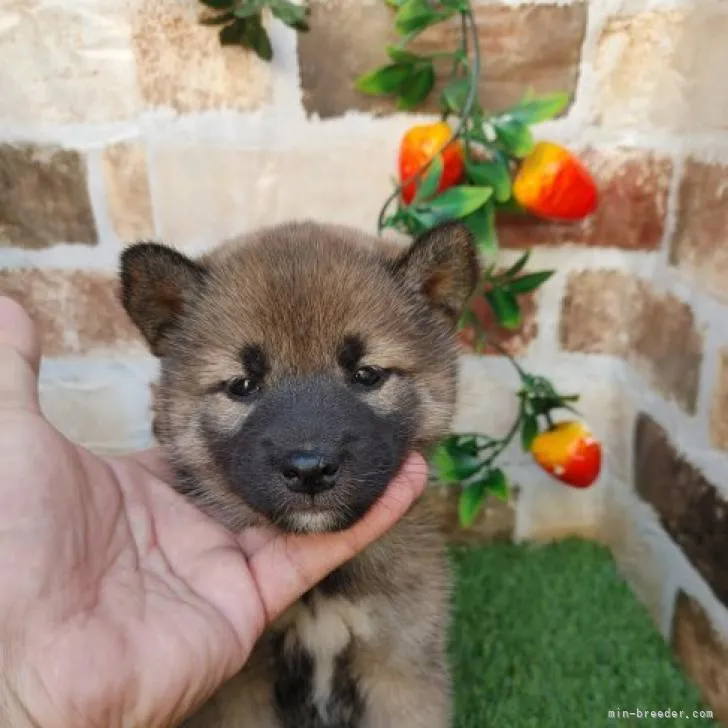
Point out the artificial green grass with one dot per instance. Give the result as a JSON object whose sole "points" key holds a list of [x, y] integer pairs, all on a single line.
{"points": [[551, 637]]}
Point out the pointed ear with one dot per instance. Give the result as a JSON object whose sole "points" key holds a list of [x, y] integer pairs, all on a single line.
{"points": [[157, 282], [442, 265]]}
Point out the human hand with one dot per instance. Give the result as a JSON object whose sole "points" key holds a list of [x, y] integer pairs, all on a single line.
{"points": [[120, 603]]}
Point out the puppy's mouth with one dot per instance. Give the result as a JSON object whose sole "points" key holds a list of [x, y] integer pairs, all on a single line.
{"points": [[312, 520], [319, 513]]}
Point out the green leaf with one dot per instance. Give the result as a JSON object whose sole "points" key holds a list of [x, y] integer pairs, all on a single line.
{"points": [[385, 80], [456, 203], [455, 94], [470, 502], [248, 8], [529, 282], [217, 4], [465, 445], [256, 37], [518, 266], [544, 405], [294, 16], [417, 87], [505, 308], [430, 180], [466, 466], [217, 19], [413, 222], [400, 55], [453, 464], [232, 34], [511, 207], [262, 45], [443, 465], [529, 430], [543, 397], [461, 6], [482, 224], [497, 484], [414, 15], [514, 135], [531, 111], [494, 173]]}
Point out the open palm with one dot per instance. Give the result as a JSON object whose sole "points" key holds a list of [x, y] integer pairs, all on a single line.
{"points": [[120, 603]]}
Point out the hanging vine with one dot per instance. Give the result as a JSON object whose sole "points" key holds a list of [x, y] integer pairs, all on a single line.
{"points": [[481, 165]]}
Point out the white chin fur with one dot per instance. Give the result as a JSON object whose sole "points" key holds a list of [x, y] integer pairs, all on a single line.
{"points": [[311, 522]]}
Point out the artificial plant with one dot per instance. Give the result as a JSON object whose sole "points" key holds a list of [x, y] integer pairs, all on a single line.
{"points": [[485, 163], [241, 21]]}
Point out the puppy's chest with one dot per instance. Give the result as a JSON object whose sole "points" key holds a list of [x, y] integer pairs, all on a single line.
{"points": [[314, 648]]}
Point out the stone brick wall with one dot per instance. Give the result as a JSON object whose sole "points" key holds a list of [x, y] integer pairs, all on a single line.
{"points": [[124, 119]]}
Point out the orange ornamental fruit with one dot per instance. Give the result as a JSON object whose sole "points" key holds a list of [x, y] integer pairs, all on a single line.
{"points": [[552, 183], [569, 453], [418, 146]]}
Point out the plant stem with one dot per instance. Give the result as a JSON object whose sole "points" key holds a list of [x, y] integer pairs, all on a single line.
{"points": [[464, 48], [464, 33], [503, 443], [469, 21]]}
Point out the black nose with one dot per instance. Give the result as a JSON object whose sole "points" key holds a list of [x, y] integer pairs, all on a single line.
{"points": [[310, 471]]}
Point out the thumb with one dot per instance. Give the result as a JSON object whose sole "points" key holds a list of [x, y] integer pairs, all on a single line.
{"points": [[19, 357]]}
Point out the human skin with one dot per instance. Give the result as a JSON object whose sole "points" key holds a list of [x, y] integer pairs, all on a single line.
{"points": [[120, 603]]}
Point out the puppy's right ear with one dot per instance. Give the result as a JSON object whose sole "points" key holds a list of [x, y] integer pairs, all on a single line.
{"points": [[157, 283]]}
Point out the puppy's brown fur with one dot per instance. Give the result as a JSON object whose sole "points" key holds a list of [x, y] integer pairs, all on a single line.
{"points": [[291, 316]]}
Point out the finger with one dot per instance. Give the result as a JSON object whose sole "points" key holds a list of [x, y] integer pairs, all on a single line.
{"points": [[288, 566], [19, 357]]}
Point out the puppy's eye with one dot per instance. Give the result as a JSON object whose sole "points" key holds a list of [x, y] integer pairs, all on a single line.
{"points": [[241, 387], [369, 376]]}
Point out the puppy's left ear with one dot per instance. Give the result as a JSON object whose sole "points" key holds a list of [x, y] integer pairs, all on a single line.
{"points": [[442, 265]]}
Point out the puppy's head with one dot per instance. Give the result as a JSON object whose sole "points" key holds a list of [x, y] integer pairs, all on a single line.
{"points": [[300, 365]]}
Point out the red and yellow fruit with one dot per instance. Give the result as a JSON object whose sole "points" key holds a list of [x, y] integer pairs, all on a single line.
{"points": [[419, 145], [569, 453], [553, 184]]}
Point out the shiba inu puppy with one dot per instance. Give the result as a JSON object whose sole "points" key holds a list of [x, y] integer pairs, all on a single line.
{"points": [[299, 366]]}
